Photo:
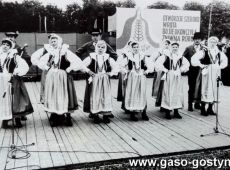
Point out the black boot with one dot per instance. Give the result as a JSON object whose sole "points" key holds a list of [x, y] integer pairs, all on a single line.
{"points": [[18, 123], [96, 119], [210, 110], [167, 114], [111, 116], [53, 120], [69, 120], [203, 111], [145, 116], [162, 109], [197, 106], [127, 112], [91, 116], [133, 117], [176, 114], [23, 118], [5, 124], [106, 119], [190, 107]]}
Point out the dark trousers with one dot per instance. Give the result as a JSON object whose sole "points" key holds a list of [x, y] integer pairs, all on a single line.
{"points": [[192, 76]]}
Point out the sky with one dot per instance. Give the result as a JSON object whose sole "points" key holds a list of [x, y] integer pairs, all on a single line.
{"points": [[140, 3]]}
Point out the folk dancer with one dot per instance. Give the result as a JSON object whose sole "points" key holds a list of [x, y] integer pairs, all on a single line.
{"points": [[123, 69], [211, 60], [158, 83], [12, 35], [60, 96], [12, 68], [98, 96], [135, 99], [172, 66]]}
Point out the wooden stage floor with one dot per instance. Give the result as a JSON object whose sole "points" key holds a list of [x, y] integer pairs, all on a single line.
{"points": [[88, 142]]}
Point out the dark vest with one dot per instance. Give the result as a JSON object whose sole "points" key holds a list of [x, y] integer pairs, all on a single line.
{"points": [[206, 60], [94, 66], [168, 64], [63, 62], [10, 64], [131, 64]]}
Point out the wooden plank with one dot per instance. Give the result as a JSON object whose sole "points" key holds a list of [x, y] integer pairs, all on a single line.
{"points": [[41, 142], [93, 142], [6, 142], [68, 145], [156, 136]]}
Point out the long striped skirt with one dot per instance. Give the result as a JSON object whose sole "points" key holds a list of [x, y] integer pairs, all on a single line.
{"points": [[135, 92], [121, 86], [21, 101], [42, 90], [156, 83]]}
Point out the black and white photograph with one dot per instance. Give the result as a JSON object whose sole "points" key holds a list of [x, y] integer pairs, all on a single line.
{"points": [[114, 84]]}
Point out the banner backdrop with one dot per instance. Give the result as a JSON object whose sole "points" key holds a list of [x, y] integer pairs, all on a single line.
{"points": [[149, 27]]}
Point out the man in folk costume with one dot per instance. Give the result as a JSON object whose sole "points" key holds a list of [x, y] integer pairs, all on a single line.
{"points": [[123, 70], [193, 71], [12, 68], [60, 96], [211, 61], [135, 99], [172, 66], [158, 83], [89, 47], [98, 95]]}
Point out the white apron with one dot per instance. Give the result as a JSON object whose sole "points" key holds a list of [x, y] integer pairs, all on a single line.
{"points": [[209, 84], [56, 93], [101, 97], [135, 91], [172, 96]]}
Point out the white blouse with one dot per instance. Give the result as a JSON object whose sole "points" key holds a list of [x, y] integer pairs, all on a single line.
{"points": [[159, 64], [21, 66], [195, 60], [100, 60], [42, 61]]}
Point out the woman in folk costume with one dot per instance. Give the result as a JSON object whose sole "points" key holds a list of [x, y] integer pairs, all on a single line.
{"points": [[12, 67], [135, 99], [211, 60], [123, 69], [60, 97], [158, 83], [98, 97], [172, 66]]}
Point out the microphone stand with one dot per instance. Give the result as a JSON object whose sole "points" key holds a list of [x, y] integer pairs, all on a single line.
{"points": [[12, 146], [216, 129]]}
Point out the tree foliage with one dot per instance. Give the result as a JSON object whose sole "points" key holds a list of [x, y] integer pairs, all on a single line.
{"points": [[29, 15], [220, 20], [163, 5]]}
